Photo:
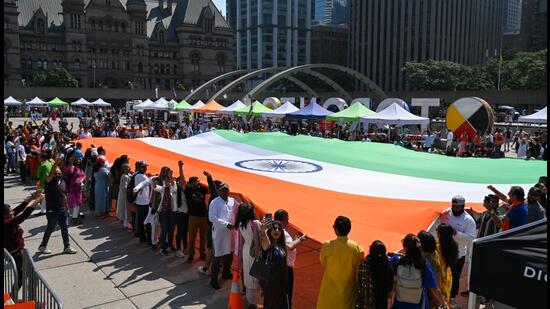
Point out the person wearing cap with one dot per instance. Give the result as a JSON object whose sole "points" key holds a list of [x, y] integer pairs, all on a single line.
{"points": [[56, 206], [222, 214], [142, 201], [465, 228]]}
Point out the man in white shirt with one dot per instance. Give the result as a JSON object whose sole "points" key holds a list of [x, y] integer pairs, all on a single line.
{"points": [[21, 156], [450, 137], [85, 134], [291, 244], [143, 199], [465, 227], [222, 213]]}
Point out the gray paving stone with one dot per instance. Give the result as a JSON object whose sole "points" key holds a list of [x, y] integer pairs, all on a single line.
{"points": [[81, 285], [119, 304], [189, 296], [56, 258]]}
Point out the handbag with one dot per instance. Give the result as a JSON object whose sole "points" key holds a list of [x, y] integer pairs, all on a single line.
{"points": [[261, 268]]}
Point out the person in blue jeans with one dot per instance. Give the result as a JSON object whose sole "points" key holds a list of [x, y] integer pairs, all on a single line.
{"points": [[56, 209], [413, 259]]}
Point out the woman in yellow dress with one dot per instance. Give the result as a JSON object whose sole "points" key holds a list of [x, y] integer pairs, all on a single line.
{"points": [[441, 255]]}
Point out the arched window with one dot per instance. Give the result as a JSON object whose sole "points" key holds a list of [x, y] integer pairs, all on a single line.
{"points": [[39, 64], [195, 63], [45, 65], [116, 26], [162, 68], [92, 23], [29, 63], [167, 69], [140, 67], [100, 25], [77, 64], [123, 27], [156, 70], [40, 26], [175, 69], [161, 36], [79, 46]]}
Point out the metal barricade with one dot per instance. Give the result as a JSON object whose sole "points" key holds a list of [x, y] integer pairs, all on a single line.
{"points": [[10, 276], [36, 288]]}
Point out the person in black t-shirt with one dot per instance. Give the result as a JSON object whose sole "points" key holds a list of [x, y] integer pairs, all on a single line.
{"points": [[195, 196], [56, 209]]}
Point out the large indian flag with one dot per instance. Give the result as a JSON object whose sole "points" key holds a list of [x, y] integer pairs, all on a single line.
{"points": [[386, 190]]}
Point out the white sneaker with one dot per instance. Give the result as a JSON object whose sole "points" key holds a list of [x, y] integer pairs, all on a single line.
{"points": [[69, 250], [453, 304], [180, 254], [44, 250], [203, 270]]}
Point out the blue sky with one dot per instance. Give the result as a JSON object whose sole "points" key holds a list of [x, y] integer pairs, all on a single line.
{"points": [[221, 5]]}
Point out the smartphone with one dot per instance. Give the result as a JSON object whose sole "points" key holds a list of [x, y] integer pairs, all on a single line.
{"points": [[268, 217]]}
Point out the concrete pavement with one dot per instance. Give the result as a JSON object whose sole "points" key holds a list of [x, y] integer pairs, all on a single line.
{"points": [[111, 269]]}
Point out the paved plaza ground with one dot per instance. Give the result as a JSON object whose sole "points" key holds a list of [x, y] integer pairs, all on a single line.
{"points": [[110, 269]]}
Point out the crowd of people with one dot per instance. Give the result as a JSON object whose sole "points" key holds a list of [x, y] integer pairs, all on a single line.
{"points": [[424, 274]]}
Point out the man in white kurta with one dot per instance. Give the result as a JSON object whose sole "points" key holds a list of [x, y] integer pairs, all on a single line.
{"points": [[222, 213]]}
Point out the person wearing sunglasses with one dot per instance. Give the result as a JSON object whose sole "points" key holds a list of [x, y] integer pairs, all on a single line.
{"points": [[56, 209]]}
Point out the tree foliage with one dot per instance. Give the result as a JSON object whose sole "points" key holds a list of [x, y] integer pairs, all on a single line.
{"points": [[521, 71], [58, 77]]}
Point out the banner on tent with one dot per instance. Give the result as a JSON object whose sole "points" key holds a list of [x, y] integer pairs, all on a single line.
{"points": [[36, 116]]}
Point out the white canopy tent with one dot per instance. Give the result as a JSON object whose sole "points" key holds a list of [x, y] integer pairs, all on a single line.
{"points": [[10, 101], [199, 104], [231, 108], [37, 102], [100, 102], [147, 104], [81, 102], [160, 104], [282, 110], [395, 115], [538, 117]]}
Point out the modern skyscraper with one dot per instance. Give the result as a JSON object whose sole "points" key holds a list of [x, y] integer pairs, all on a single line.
{"points": [[270, 33], [532, 35], [331, 12], [385, 34], [512, 16]]}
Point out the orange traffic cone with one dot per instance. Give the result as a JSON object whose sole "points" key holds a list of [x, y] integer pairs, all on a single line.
{"points": [[235, 300]]}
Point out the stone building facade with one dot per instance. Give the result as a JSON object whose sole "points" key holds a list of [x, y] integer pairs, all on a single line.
{"points": [[117, 43], [329, 44]]}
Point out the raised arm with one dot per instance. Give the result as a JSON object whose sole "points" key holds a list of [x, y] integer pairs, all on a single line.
{"points": [[500, 195], [211, 185], [182, 183]]}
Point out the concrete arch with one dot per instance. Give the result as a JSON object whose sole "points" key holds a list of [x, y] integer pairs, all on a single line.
{"points": [[377, 91], [213, 82], [301, 84], [242, 79]]}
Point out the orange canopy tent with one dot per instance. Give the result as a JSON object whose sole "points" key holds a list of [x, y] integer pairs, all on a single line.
{"points": [[211, 107]]}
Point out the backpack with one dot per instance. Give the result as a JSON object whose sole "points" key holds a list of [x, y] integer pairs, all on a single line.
{"points": [[409, 284], [130, 195]]}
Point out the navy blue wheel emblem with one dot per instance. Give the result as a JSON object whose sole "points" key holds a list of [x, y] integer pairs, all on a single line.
{"points": [[279, 166]]}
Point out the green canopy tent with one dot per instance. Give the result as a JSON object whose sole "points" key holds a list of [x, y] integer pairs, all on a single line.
{"points": [[183, 105], [352, 113], [256, 109], [57, 102]]}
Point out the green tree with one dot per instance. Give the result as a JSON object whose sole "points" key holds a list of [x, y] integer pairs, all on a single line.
{"points": [[444, 75], [58, 77], [522, 71]]}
